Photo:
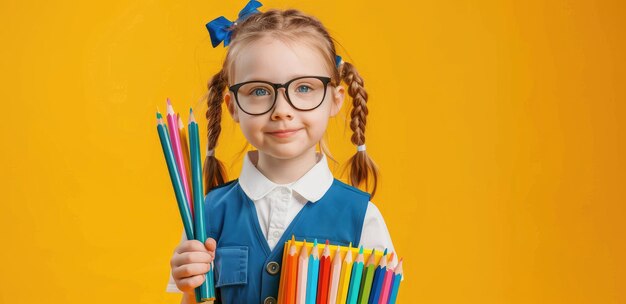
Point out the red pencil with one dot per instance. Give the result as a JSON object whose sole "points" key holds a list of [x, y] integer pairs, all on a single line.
{"points": [[324, 276]]}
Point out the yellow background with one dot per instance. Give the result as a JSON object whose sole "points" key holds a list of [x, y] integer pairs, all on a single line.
{"points": [[498, 127]]}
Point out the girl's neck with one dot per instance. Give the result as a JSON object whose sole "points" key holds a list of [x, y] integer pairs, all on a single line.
{"points": [[285, 171]]}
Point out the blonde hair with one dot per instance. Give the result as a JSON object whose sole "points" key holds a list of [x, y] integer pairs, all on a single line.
{"points": [[289, 26]]}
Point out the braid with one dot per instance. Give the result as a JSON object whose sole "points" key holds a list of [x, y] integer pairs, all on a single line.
{"points": [[214, 171], [361, 165]]}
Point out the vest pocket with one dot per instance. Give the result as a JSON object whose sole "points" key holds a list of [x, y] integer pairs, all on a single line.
{"points": [[231, 265]]}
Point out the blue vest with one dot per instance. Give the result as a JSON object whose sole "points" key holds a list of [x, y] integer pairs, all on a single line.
{"points": [[242, 256]]}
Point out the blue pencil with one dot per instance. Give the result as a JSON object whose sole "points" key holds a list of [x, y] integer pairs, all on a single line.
{"points": [[312, 273], [203, 292], [377, 283]]}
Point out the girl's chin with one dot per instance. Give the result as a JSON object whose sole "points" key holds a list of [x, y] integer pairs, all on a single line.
{"points": [[287, 151]]}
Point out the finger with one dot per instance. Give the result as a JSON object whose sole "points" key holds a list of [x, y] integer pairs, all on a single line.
{"points": [[190, 245], [190, 270], [188, 284], [180, 259]]}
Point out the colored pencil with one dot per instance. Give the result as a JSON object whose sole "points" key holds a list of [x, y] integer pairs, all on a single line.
{"points": [[344, 278], [368, 276], [186, 156], [377, 283], [181, 200], [397, 278], [292, 275], [324, 276], [283, 273], [172, 124], [355, 278], [303, 271], [314, 267], [204, 292], [384, 294], [335, 273]]}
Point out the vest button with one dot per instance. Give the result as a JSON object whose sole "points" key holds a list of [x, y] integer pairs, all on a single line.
{"points": [[269, 300], [273, 268]]}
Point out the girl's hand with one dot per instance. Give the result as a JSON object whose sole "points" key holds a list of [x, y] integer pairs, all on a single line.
{"points": [[190, 263]]}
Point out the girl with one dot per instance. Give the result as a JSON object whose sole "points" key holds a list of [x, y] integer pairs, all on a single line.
{"points": [[282, 78]]}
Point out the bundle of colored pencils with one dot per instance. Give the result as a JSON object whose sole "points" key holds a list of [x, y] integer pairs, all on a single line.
{"points": [[307, 278], [184, 164]]}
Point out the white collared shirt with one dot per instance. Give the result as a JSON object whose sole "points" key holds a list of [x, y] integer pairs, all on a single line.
{"points": [[278, 204]]}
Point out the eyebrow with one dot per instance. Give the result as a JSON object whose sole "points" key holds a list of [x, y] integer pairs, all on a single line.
{"points": [[272, 81]]}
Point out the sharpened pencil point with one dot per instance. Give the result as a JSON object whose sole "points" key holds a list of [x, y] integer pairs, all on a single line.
{"points": [[385, 252]]}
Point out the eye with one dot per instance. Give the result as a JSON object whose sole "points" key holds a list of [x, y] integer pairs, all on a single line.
{"points": [[303, 89], [260, 92]]}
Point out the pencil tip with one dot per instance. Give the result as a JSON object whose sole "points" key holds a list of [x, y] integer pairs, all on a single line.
{"points": [[168, 101], [385, 252]]}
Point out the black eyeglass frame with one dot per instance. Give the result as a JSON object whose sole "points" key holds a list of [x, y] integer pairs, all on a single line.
{"points": [[235, 87]]}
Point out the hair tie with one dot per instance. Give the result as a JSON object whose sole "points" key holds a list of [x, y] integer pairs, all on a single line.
{"points": [[220, 28], [360, 148], [210, 152], [338, 61]]}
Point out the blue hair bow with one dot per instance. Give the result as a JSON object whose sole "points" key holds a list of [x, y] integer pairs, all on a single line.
{"points": [[337, 60], [220, 27]]}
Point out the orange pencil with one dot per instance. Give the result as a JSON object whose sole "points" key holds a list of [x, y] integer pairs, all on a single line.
{"points": [[292, 274], [283, 271], [185, 147], [324, 276]]}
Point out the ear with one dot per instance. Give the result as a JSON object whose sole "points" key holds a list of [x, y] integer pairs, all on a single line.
{"points": [[232, 107], [339, 94]]}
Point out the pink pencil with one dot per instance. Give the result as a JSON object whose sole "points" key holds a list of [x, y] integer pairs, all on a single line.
{"points": [[303, 267], [335, 273], [172, 125], [384, 294]]}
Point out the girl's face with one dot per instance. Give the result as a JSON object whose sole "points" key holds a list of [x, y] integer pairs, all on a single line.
{"points": [[284, 132]]}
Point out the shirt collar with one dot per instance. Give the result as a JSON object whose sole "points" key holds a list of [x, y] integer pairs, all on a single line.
{"points": [[312, 185]]}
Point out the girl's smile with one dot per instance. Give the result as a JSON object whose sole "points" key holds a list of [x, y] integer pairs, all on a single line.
{"points": [[284, 133]]}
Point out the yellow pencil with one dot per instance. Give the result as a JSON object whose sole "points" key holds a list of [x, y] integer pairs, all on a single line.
{"points": [[344, 277]]}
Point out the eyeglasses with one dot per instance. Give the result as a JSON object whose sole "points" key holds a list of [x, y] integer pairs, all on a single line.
{"points": [[258, 97]]}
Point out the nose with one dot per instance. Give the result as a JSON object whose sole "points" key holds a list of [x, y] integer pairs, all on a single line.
{"points": [[282, 108]]}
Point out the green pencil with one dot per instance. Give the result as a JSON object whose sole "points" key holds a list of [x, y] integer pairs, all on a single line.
{"points": [[368, 276]]}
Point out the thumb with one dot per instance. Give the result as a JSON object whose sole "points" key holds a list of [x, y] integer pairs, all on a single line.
{"points": [[210, 244]]}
